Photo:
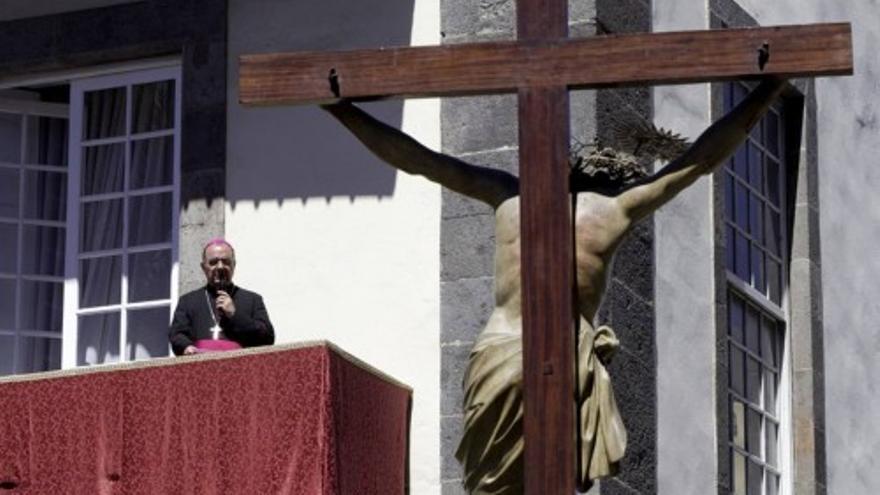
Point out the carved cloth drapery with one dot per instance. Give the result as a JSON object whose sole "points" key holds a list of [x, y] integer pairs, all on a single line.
{"points": [[491, 449]]}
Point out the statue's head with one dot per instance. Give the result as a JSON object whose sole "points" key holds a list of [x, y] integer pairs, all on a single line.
{"points": [[604, 170], [607, 170]]}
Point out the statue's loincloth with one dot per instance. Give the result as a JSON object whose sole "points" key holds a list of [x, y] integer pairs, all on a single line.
{"points": [[491, 448]]}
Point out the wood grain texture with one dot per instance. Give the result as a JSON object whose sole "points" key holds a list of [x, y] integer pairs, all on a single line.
{"points": [[498, 67], [547, 279]]}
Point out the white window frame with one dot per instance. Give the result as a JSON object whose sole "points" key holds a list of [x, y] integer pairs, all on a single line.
{"points": [[781, 313], [24, 109], [72, 311]]}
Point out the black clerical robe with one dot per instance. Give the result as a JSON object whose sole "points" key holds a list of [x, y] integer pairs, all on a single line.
{"points": [[249, 326]]}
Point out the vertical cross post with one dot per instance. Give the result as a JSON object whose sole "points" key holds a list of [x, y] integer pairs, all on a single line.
{"points": [[548, 340]]}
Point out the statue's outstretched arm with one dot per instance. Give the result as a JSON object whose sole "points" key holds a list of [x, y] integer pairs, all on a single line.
{"points": [[710, 150], [405, 153]]}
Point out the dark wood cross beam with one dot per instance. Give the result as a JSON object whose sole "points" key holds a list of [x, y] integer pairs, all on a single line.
{"points": [[504, 67], [541, 66]]}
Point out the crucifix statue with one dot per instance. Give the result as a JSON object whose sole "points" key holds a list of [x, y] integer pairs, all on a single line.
{"points": [[609, 195], [527, 403]]}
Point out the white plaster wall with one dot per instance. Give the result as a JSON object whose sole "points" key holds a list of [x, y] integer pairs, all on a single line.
{"points": [[684, 291], [849, 178], [341, 247]]}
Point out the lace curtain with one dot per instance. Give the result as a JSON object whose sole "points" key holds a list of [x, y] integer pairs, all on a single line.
{"points": [[103, 221]]}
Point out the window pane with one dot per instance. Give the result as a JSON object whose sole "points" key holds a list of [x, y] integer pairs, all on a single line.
{"points": [[773, 238], [9, 192], [742, 257], [770, 383], [46, 141], [98, 340], [45, 195], [769, 338], [100, 280], [756, 168], [753, 431], [38, 354], [772, 484], [736, 319], [757, 131], [773, 180], [737, 370], [773, 281], [756, 478], [739, 474], [753, 381], [728, 196], [756, 218], [772, 443], [149, 219], [101, 225], [730, 249], [752, 330], [739, 93], [104, 113], [771, 132], [740, 162], [7, 355], [10, 137], [758, 281], [7, 304], [103, 169], [8, 248], [738, 422], [153, 106], [149, 279], [147, 333], [741, 205], [41, 305], [43, 250], [152, 162]]}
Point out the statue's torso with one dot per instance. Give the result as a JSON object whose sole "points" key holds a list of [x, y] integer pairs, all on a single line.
{"points": [[599, 226]]}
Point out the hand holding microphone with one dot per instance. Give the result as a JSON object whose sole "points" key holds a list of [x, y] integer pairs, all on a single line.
{"points": [[224, 304]]}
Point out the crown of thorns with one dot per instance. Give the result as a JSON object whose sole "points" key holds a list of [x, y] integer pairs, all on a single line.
{"points": [[647, 141]]}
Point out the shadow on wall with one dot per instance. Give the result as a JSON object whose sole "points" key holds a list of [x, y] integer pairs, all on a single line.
{"points": [[279, 153]]}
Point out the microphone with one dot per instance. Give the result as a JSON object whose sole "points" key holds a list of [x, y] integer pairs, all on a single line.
{"points": [[222, 284]]}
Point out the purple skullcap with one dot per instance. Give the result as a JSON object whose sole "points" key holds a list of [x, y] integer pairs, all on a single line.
{"points": [[217, 241]]}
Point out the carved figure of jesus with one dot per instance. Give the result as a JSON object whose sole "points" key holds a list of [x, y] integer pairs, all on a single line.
{"points": [[606, 206]]}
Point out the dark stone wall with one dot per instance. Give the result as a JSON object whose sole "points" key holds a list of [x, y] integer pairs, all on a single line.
{"points": [[629, 302]]}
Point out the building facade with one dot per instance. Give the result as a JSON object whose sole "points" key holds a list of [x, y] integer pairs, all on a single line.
{"points": [[744, 307]]}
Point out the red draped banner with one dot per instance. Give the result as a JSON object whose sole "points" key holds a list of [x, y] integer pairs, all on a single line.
{"points": [[279, 420]]}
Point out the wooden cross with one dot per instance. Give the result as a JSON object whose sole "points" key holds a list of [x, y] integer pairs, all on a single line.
{"points": [[541, 66]]}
